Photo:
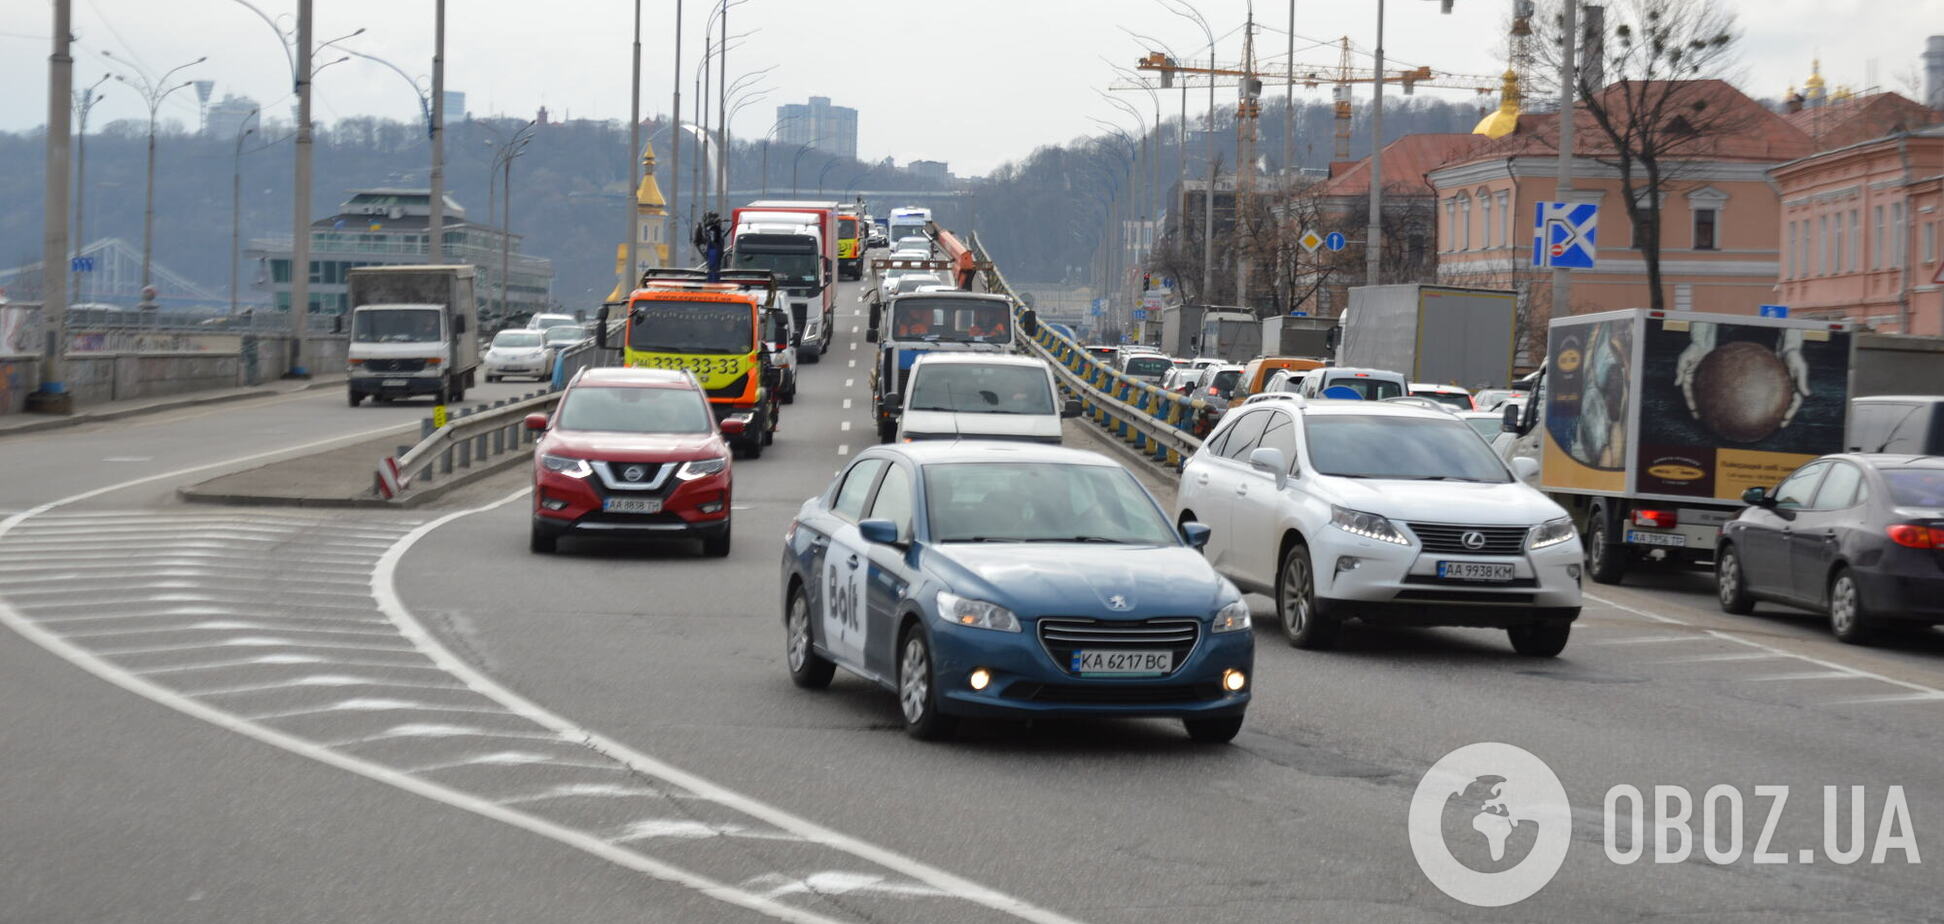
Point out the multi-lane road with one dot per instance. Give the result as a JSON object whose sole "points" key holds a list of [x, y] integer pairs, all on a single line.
{"points": [[215, 713]]}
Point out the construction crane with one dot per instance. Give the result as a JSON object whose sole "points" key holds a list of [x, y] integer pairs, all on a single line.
{"points": [[1311, 76]]}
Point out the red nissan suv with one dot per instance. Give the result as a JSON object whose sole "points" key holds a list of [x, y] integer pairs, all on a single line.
{"points": [[632, 452]]}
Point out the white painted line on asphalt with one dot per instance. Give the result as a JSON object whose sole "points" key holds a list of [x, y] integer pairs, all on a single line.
{"points": [[1894, 698], [509, 759], [849, 382], [839, 883], [384, 589], [1701, 659], [844, 449], [853, 363], [1637, 612], [247, 642], [1806, 675], [847, 401], [225, 625], [688, 829], [845, 425], [321, 680], [372, 704], [270, 660], [425, 730], [129, 458], [853, 345], [590, 791], [1642, 640]]}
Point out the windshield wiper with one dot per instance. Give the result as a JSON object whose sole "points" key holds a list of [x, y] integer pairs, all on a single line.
{"points": [[1078, 539], [1437, 478], [984, 539]]}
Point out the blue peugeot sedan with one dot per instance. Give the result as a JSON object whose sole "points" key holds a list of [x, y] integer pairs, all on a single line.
{"points": [[1015, 581]]}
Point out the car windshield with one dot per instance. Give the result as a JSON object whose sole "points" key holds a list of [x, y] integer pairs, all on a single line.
{"points": [[1148, 365], [1405, 448], [395, 325], [691, 327], [1368, 389], [1040, 502], [626, 409], [797, 268], [980, 388], [951, 320], [1487, 427], [516, 339], [1916, 487], [1448, 398], [563, 334], [1226, 379]]}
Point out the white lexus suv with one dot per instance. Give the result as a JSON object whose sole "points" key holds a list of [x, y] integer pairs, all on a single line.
{"points": [[1384, 513]]}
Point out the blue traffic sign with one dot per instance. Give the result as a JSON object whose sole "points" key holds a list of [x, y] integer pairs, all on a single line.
{"points": [[1140, 314], [1334, 240], [81, 265], [1097, 310], [1299, 314], [1775, 311], [1565, 234]]}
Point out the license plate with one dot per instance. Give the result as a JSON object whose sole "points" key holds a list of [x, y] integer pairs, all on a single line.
{"points": [[1475, 571], [1669, 539], [631, 505], [1099, 661], [392, 383]]}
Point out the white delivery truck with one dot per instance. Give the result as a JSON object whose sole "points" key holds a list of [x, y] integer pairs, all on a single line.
{"points": [[1440, 334], [414, 331]]}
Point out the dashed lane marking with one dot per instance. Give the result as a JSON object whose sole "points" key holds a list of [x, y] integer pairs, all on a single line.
{"points": [[844, 425], [843, 449]]}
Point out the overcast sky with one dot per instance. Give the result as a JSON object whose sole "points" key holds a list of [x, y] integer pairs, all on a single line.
{"points": [[974, 89]]}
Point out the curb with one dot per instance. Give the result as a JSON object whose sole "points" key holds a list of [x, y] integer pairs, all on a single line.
{"points": [[88, 417], [451, 483]]}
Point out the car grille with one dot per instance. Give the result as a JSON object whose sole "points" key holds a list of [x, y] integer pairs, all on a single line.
{"points": [[1132, 694], [654, 480], [1446, 538], [1061, 636], [394, 365]]}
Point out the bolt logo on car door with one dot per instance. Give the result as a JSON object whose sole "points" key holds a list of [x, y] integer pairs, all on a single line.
{"points": [[1473, 539], [846, 566]]}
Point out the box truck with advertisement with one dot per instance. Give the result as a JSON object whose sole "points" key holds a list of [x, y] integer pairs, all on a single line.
{"points": [[1648, 425], [798, 240], [1440, 334], [414, 331]]}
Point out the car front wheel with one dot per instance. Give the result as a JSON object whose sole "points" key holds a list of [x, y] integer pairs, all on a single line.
{"points": [[1303, 622], [918, 689], [808, 669], [1731, 583], [1606, 563]]}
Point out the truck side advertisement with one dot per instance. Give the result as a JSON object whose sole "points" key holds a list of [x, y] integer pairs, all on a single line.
{"points": [[1588, 405], [1726, 407]]}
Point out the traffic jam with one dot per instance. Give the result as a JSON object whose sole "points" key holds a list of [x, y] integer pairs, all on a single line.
{"points": [[974, 567]]}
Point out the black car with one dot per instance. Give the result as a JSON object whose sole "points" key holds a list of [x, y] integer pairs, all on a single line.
{"points": [[1857, 535]]}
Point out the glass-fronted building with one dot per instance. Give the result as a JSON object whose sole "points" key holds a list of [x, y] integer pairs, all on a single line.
{"points": [[379, 227]]}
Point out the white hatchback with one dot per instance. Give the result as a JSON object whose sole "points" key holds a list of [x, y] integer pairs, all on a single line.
{"points": [[1383, 513]]}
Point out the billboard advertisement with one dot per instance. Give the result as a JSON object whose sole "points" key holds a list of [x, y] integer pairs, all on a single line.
{"points": [[1588, 395], [1728, 406]]}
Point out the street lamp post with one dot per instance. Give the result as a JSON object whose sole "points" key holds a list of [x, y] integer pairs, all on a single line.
{"points": [[1208, 199], [1181, 126], [52, 396], [766, 141], [1374, 231], [236, 203], [503, 165], [152, 94], [435, 129], [793, 167], [674, 143], [83, 104], [634, 158], [821, 173]]}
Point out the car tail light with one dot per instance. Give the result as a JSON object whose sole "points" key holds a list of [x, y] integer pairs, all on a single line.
{"points": [[1656, 519], [1916, 536]]}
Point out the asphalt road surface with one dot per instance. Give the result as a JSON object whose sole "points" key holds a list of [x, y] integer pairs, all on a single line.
{"points": [[261, 714]]}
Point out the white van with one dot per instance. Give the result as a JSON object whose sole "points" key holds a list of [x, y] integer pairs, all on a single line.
{"points": [[1361, 384], [982, 396]]}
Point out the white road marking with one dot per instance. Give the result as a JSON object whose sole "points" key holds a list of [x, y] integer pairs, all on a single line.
{"points": [[275, 659], [1805, 675], [845, 425], [853, 345], [853, 326], [843, 450], [1643, 640], [1701, 659], [1893, 698], [384, 589], [589, 791], [127, 458], [847, 401], [247, 642], [686, 829], [424, 730], [853, 363], [321, 680]]}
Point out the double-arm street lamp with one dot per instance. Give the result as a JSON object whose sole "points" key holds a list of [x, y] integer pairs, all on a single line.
{"points": [[502, 170], [152, 92], [243, 130], [84, 102]]}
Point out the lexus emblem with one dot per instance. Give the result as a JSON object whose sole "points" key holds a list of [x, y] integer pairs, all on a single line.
{"points": [[635, 473], [1473, 539], [1117, 602]]}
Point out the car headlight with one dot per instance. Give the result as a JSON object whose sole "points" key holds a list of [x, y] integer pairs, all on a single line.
{"points": [[701, 468], [978, 614], [1367, 525], [1549, 533], [566, 465], [1232, 618]]}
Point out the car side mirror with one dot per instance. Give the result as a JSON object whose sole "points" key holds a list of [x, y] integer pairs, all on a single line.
{"points": [[1195, 534], [1071, 408], [878, 532], [1270, 461], [893, 401], [731, 427], [536, 422], [1757, 497], [871, 335], [1525, 467], [1509, 421], [1029, 322]]}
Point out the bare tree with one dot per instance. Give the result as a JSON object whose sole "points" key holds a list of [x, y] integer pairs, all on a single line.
{"points": [[1658, 110]]}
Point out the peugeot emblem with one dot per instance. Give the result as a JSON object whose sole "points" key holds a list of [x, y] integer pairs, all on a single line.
{"points": [[635, 473], [1117, 602], [1473, 539]]}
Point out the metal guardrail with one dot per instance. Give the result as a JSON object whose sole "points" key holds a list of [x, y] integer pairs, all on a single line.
{"points": [[1157, 423], [483, 433]]}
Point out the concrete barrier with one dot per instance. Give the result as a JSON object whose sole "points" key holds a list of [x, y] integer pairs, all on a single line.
{"points": [[99, 377]]}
